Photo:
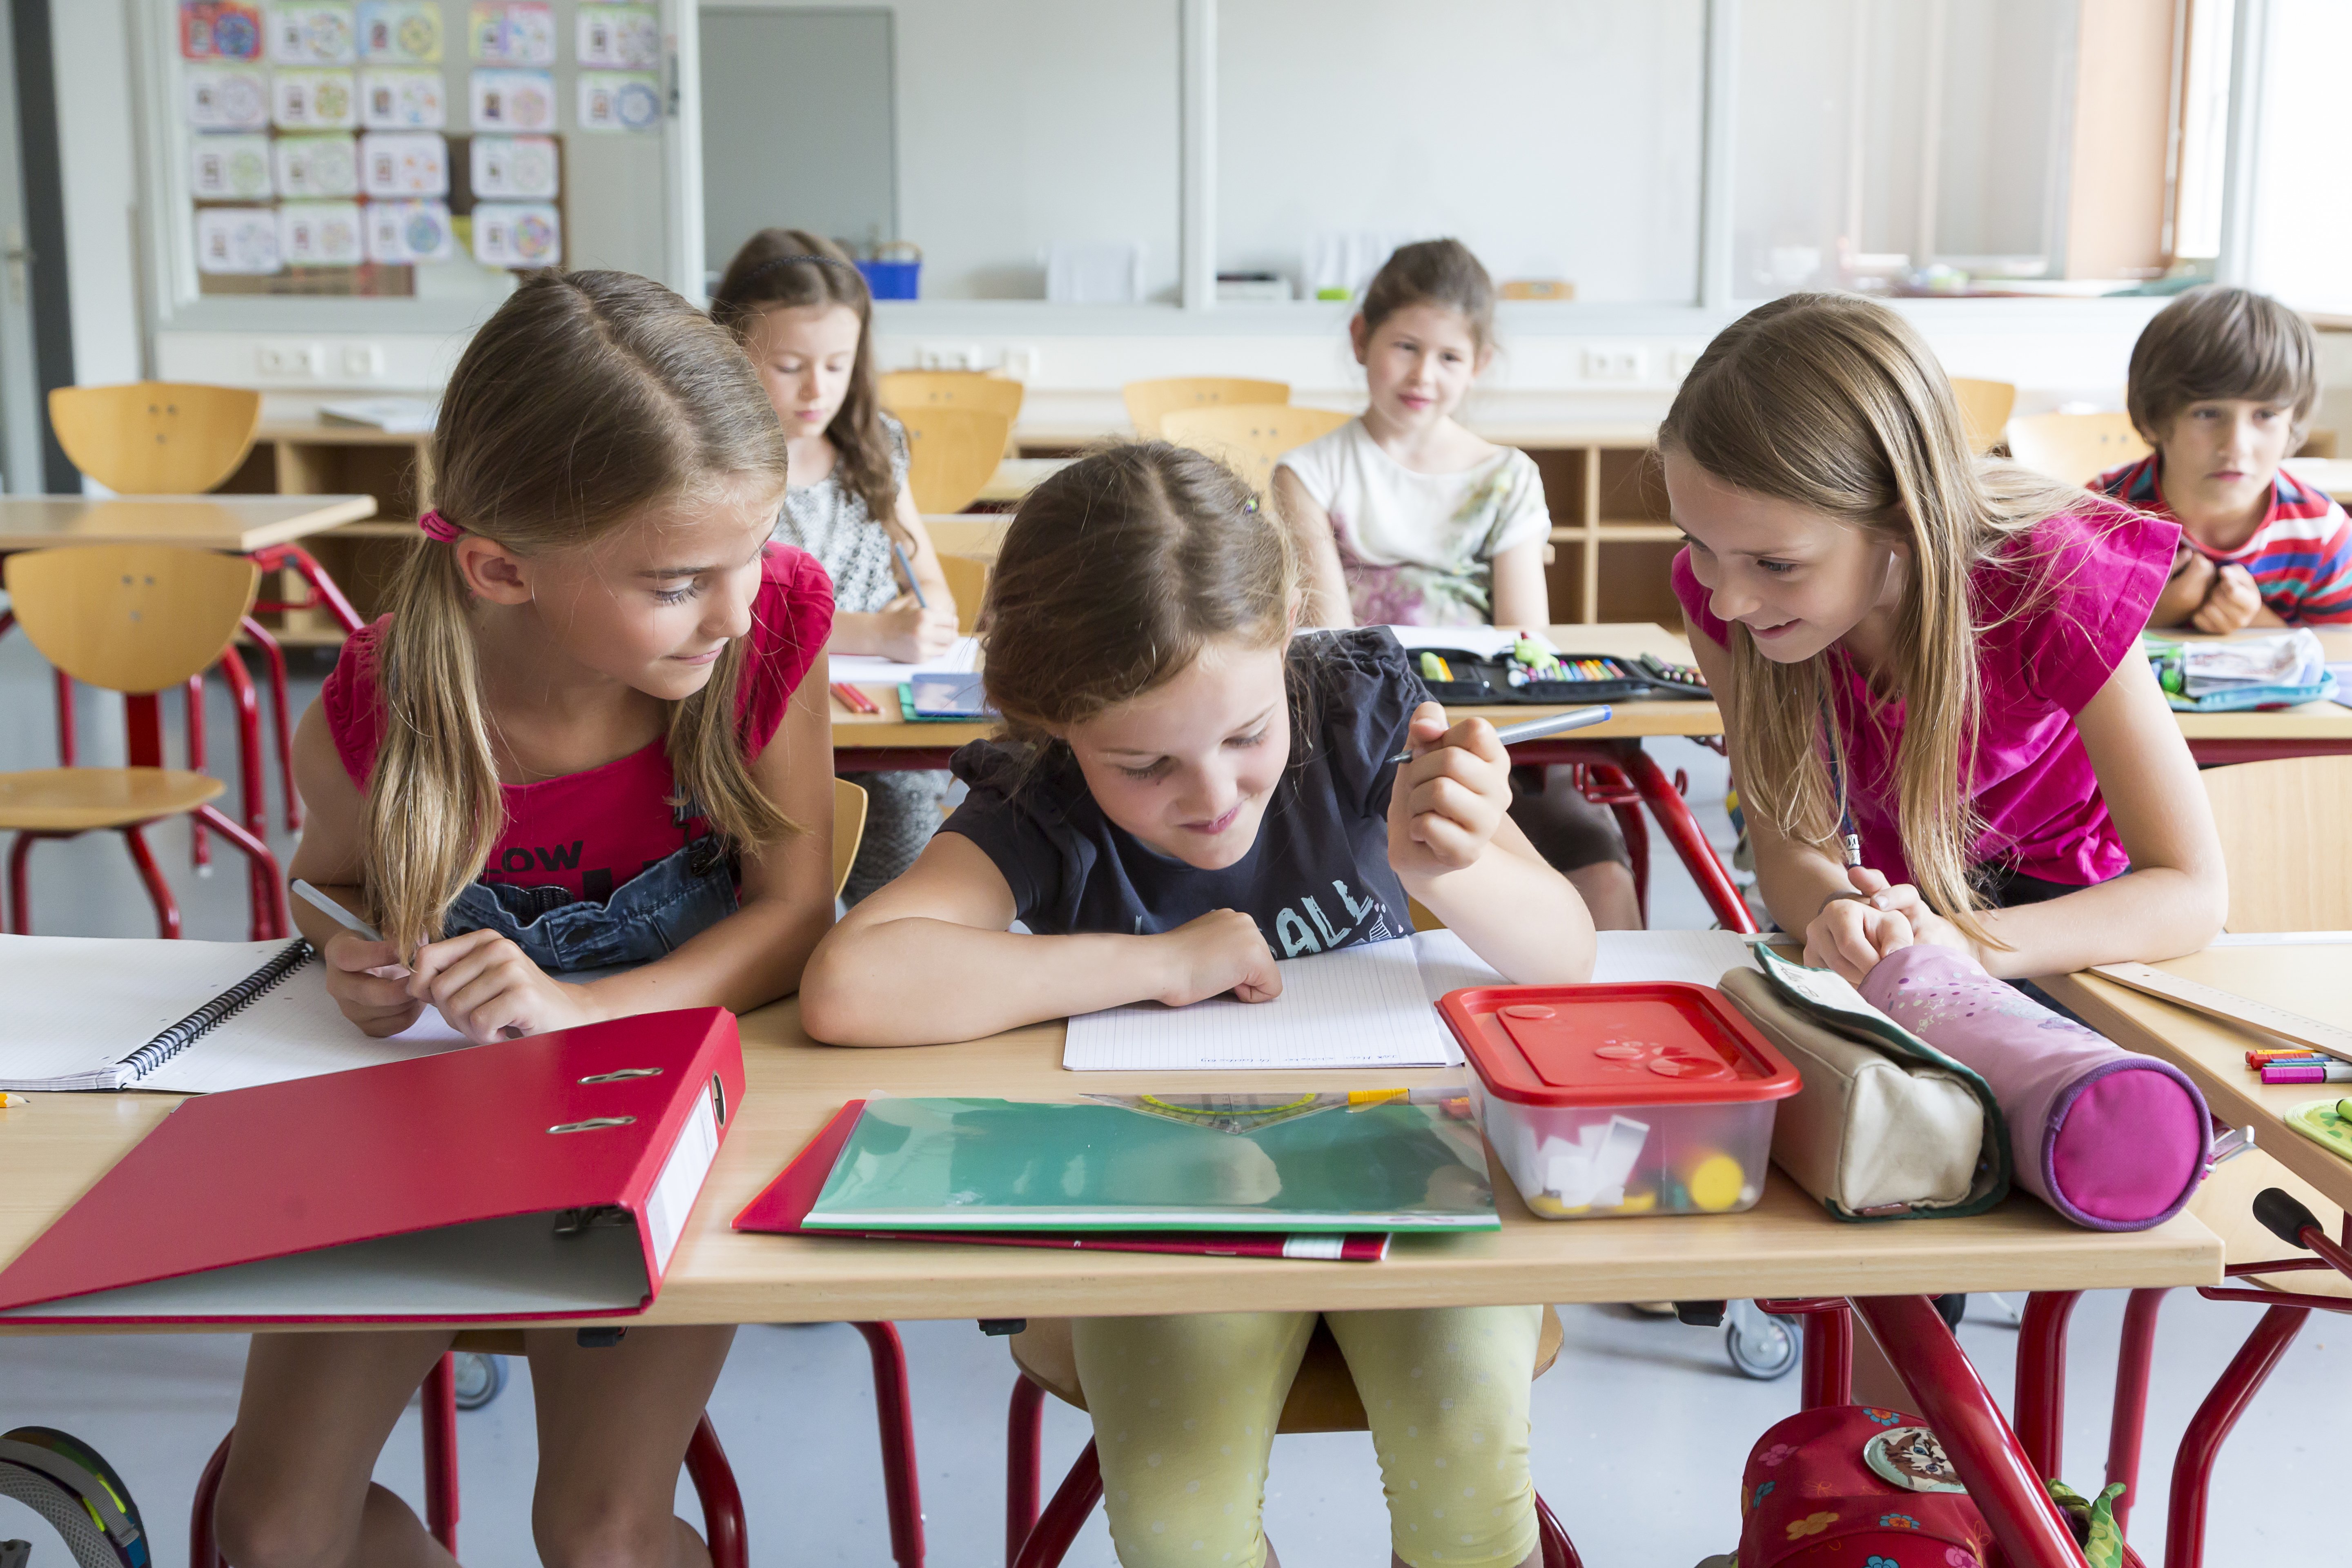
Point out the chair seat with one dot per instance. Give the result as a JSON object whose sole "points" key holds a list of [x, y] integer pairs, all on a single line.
{"points": [[2225, 1204], [1323, 1395], [76, 800]]}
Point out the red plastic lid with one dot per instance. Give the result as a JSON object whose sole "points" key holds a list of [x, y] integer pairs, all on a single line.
{"points": [[1653, 1043]]}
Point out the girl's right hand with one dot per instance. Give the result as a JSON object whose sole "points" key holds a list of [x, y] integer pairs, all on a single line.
{"points": [[911, 634], [1219, 951], [1852, 934], [369, 984]]}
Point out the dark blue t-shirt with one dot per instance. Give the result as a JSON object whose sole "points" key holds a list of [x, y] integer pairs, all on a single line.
{"points": [[1317, 879]]}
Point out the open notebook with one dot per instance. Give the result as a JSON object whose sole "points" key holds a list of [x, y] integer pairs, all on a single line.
{"points": [[1370, 1005], [189, 1017]]}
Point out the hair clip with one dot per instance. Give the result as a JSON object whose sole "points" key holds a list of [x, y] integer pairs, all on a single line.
{"points": [[1250, 505], [432, 526]]}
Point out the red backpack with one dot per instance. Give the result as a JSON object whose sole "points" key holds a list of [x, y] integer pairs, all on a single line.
{"points": [[1852, 1486]]}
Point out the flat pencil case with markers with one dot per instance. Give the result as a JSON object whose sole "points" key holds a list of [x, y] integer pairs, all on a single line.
{"points": [[1456, 676]]}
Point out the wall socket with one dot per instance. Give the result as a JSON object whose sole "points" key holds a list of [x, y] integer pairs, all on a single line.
{"points": [[1680, 361], [948, 356], [1020, 363], [363, 362], [289, 361], [1612, 364]]}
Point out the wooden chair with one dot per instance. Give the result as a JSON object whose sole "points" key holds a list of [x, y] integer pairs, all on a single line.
{"points": [[1322, 1398], [968, 580], [1984, 409], [952, 454], [172, 438], [1149, 402], [1248, 437], [2286, 839], [905, 390], [2074, 449], [139, 619], [849, 829]]}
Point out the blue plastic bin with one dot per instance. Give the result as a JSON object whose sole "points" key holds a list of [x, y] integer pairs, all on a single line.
{"points": [[892, 280]]}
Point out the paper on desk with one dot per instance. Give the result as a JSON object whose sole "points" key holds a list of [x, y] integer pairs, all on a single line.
{"points": [[1695, 957], [1487, 642], [296, 1030], [864, 669], [2343, 674]]}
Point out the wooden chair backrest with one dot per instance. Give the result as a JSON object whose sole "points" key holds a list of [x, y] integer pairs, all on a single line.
{"points": [[1248, 437], [953, 452], [848, 830], [1149, 402], [155, 437], [2074, 449], [1984, 409], [901, 390], [129, 618], [968, 580], [2286, 838]]}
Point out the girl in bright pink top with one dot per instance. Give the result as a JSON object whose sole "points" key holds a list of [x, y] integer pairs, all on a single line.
{"points": [[591, 733], [1929, 657]]}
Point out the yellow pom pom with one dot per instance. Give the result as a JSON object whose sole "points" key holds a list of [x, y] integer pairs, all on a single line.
{"points": [[1716, 1184]]}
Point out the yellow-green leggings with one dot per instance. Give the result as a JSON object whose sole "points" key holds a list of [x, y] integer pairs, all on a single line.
{"points": [[1184, 1411]]}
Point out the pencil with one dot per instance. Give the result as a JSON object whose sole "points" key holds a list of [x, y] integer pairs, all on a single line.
{"points": [[849, 697], [899, 551], [1536, 729]]}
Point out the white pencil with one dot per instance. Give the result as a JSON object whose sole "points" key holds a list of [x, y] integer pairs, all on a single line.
{"points": [[1536, 729], [327, 907]]}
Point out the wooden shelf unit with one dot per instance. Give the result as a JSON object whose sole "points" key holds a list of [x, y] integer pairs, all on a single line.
{"points": [[312, 457], [1612, 545]]}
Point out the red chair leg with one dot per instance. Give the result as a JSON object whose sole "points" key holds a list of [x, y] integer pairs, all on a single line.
{"points": [[276, 656], [1557, 1550], [257, 806], [894, 1412], [270, 919], [200, 849], [65, 719], [1688, 839], [440, 1412], [2192, 1472], [203, 1552], [722, 1499], [1024, 1436], [167, 911], [1066, 1515], [2040, 1403], [2133, 1359], [20, 890]]}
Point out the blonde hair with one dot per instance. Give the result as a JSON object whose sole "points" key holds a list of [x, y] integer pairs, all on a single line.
{"points": [[585, 398], [1833, 403]]}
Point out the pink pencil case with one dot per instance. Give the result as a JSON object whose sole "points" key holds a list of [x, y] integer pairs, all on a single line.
{"points": [[2110, 1139]]}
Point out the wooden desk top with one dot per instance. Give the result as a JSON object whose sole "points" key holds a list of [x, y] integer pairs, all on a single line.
{"points": [[1016, 477], [237, 524], [330, 433], [2306, 979], [855, 732], [52, 1150], [2333, 475]]}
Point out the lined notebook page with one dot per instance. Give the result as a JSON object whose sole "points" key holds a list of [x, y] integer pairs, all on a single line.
{"points": [[1697, 957], [294, 1031], [76, 1005], [1362, 1006]]}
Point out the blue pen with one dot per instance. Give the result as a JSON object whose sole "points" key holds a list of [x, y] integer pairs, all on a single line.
{"points": [[904, 565]]}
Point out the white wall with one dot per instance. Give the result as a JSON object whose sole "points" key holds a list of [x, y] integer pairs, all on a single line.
{"points": [[98, 147], [2302, 222], [1025, 122], [1556, 138]]}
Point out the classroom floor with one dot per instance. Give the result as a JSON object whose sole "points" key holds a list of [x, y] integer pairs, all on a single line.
{"points": [[1640, 1431]]}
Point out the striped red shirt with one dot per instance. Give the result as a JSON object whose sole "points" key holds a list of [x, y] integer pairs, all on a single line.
{"points": [[2300, 558]]}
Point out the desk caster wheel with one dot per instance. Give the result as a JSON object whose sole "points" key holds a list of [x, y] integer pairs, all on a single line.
{"points": [[1760, 1345], [480, 1378]]}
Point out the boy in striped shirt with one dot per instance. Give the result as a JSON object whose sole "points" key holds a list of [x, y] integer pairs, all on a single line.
{"points": [[2223, 384]]}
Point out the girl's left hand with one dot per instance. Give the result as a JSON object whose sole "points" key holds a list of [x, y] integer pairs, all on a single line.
{"points": [[1903, 898], [1447, 801], [488, 991]]}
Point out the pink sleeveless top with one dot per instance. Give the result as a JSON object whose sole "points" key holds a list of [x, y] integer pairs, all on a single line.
{"points": [[590, 831]]}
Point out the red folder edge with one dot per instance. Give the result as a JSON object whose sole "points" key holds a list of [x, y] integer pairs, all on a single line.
{"points": [[51, 1264], [782, 1207]]}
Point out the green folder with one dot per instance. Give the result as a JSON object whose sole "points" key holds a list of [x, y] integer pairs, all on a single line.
{"points": [[1158, 1163]]}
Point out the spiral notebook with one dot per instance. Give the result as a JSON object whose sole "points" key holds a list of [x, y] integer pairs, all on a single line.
{"points": [[187, 1017]]}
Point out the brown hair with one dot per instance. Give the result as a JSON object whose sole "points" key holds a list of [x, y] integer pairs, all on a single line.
{"points": [[1832, 401], [2214, 342], [1113, 573], [790, 269], [586, 397], [1431, 272]]}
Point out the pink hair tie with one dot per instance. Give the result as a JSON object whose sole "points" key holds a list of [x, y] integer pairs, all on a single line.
{"points": [[432, 526]]}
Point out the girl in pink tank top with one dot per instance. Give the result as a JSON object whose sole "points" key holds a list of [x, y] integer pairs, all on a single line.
{"points": [[1939, 720], [590, 732]]}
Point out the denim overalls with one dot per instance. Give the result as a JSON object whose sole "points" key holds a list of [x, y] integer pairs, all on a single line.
{"points": [[650, 914]]}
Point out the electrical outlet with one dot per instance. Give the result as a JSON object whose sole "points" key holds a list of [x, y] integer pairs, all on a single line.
{"points": [[948, 356], [289, 361], [1680, 361], [1020, 363], [1612, 364], [363, 362]]}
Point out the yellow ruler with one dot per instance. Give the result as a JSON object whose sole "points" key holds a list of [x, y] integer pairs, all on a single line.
{"points": [[2231, 1007]]}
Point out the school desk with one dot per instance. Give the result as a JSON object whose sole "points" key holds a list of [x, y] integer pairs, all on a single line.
{"points": [[1786, 1247], [2302, 979], [2307, 730], [1016, 477], [2333, 475], [885, 740]]}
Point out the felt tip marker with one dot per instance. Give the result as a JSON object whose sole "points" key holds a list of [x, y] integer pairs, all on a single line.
{"points": [[1427, 1094], [1536, 729], [2308, 1072]]}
